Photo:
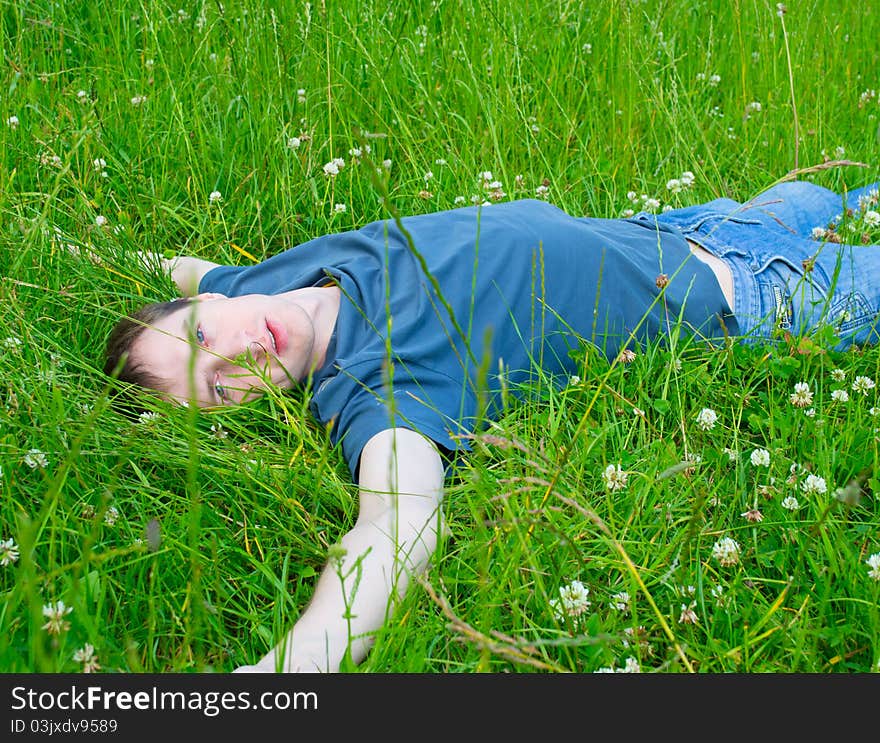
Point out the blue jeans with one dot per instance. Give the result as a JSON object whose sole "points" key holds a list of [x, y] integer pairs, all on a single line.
{"points": [[782, 277]]}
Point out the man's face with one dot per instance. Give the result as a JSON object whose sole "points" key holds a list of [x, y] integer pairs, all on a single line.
{"points": [[229, 348]]}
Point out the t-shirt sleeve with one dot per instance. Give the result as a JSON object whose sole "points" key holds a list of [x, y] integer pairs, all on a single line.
{"points": [[220, 279], [366, 405]]}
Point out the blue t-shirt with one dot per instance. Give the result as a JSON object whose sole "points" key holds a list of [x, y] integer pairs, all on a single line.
{"points": [[429, 339]]}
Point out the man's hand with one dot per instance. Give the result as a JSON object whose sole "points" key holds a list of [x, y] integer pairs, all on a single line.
{"points": [[185, 271], [401, 489]]}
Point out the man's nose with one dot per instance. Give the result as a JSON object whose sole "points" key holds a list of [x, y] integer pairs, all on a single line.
{"points": [[256, 348]]}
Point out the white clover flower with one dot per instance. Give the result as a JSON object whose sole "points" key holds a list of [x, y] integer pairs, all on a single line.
{"points": [[869, 199], [355, 152], [214, 197], [838, 375], [111, 516], [760, 458], [218, 430], [100, 220], [688, 615], [631, 665], [818, 233], [714, 80], [573, 600], [614, 477], [620, 601], [542, 191], [459, 200], [137, 100], [334, 166], [802, 397], [687, 179], [839, 152], [8, 552], [872, 218], [726, 551], [866, 96], [148, 416], [99, 163], [12, 342], [706, 419], [55, 613], [790, 503], [86, 656], [652, 204], [673, 185], [386, 164], [81, 95], [814, 484], [874, 563], [840, 395], [293, 143], [301, 95], [862, 385], [12, 122], [753, 516], [35, 458], [339, 208], [810, 412], [753, 106]]}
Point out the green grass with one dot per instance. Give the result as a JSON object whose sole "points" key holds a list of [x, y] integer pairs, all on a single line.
{"points": [[217, 540]]}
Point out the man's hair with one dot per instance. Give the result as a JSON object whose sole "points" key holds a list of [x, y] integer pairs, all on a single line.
{"points": [[118, 358]]}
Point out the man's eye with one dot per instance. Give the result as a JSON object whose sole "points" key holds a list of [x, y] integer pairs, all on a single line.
{"points": [[200, 336], [220, 390]]}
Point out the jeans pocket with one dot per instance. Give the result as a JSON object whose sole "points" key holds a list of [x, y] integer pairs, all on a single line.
{"points": [[850, 313]]}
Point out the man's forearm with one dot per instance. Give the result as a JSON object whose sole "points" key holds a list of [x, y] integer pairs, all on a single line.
{"points": [[401, 479], [186, 271], [356, 592]]}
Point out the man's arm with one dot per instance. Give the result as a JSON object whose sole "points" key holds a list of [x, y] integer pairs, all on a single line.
{"points": [[401, 488], [185, 271]]}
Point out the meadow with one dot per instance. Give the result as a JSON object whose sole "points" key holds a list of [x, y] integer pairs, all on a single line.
{"points": [[692, 509]]}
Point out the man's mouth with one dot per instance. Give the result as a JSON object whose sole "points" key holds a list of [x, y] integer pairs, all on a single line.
{"points": [[277, 336]]}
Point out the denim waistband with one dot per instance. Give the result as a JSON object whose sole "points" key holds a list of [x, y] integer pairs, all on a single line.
{"points": [[755, 318], [761, 290]]}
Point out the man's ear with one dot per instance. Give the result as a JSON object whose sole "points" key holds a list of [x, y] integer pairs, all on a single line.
{"points": [[209, 295]]}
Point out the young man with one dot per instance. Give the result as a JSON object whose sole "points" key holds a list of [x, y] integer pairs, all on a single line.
{"points": [[409, 335]]}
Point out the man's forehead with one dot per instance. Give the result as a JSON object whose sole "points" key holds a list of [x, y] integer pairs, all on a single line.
{"points": [[180, 324]]}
